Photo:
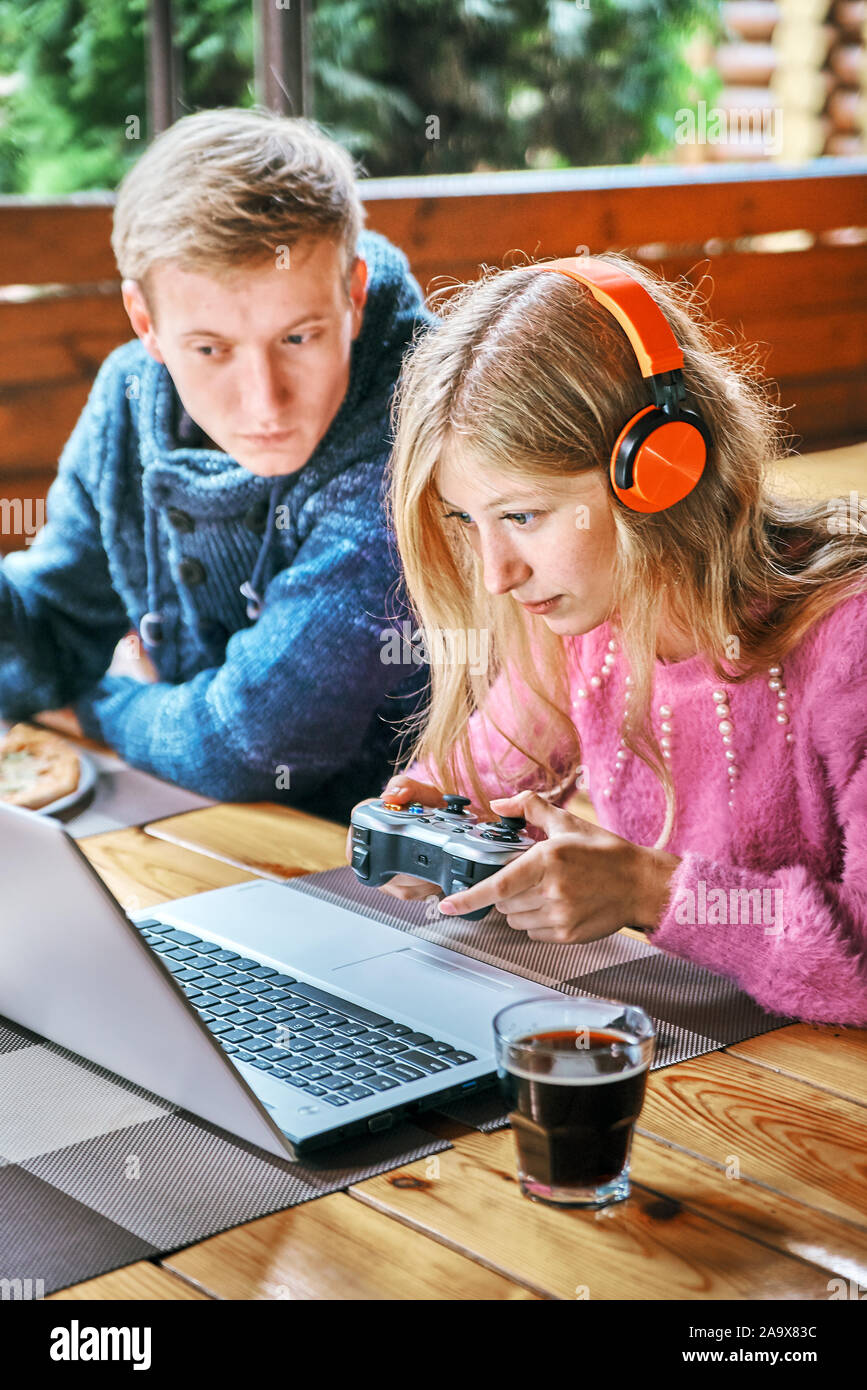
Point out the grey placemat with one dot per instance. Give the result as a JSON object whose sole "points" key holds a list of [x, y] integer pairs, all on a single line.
{"points": [[96, 1172], [123, 797], [694, 1010]]}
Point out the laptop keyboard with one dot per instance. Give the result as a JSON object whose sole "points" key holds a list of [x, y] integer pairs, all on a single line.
{"points": [[312, 1040]]}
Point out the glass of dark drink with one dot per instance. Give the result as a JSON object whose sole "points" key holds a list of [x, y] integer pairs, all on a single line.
{"points": [[573, 1072]]}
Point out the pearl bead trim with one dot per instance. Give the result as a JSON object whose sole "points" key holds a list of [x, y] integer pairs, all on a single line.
{"points": [[721, 699]]}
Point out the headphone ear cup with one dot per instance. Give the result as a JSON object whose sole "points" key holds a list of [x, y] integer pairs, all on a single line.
{"points": [[657, 458], [629, 441]]}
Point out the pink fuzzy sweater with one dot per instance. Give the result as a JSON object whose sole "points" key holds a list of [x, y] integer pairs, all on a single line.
{"points": [[772, 891]]}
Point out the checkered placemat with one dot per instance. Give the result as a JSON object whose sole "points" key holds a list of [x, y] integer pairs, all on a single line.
{"points": [[96, 1172], [694, 1010]]}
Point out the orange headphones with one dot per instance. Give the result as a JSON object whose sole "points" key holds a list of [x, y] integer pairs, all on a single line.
{"points": [[660, 454]]}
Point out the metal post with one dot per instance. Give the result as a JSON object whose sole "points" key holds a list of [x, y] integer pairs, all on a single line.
{"points": [[163, 68], [283, 76]]}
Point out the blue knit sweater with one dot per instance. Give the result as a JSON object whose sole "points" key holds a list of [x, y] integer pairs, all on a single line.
{"points": [[296, 704]]}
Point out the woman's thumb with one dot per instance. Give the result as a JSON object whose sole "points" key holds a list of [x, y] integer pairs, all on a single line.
{"points": [[536, 811]]}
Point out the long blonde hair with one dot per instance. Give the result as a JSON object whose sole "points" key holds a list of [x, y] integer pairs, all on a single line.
{"points": [[528, 374]]}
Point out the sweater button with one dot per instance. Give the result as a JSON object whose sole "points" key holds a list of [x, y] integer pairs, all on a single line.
{"points": [[256, 518], [181, 521], [192, 572], [214, 632]]}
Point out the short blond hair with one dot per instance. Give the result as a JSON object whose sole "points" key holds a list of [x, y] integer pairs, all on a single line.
{"points": [[227, 187]]}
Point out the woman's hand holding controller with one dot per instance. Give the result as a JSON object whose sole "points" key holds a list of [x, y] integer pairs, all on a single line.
{"points": [[404, 790]]}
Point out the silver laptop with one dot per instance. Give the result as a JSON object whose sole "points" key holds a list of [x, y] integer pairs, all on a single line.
{"points": [[280, 1018]]}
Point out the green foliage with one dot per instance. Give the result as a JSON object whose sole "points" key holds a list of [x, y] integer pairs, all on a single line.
{"points": [[79, 71], [512, 83], [80, 66]]}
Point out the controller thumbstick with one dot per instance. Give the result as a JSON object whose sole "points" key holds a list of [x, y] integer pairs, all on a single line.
{"points": [[507, 828], [455, 804]]}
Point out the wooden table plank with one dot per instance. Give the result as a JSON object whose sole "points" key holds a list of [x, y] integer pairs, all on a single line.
{"points": [[834, 1059], [783, 1133], [142, 871], [825, 473], [142, 1280], [336, 1248], [683, 1179], [272, 841], [776, 1220], [645, 1248]]}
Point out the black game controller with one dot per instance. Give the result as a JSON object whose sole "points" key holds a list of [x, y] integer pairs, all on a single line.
{"points": [[450, 847]]}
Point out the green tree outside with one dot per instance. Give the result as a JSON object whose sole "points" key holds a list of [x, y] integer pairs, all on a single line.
{"points": [[409, 86]]}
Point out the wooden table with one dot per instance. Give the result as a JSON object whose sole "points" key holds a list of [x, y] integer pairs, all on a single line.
{"points": [[748, 1170]]}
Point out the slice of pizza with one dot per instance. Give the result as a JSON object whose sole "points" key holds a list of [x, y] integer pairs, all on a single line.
{"points": [[36, 768]]}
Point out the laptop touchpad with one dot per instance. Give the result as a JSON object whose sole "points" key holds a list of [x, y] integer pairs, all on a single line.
{"points": [[451, 996]]}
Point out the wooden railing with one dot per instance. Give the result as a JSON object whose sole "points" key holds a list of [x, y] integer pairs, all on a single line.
{"points": [[724, 227]]}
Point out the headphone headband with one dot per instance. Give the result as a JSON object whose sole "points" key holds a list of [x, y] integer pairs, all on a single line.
{"points": [[640, 317]]}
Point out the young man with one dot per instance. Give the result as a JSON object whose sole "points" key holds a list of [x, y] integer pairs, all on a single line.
{"points": [[221, 493]]}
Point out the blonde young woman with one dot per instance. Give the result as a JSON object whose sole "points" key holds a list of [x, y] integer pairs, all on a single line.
{"points": [[701, 668]]}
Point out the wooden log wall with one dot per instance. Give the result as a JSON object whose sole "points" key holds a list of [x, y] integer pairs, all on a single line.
{"points": [[805, 61]]}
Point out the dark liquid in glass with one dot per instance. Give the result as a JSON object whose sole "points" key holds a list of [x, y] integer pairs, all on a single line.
{"points": [[575, 1132]]}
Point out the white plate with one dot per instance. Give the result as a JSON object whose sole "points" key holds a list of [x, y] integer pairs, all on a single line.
{"points": [[86, 782]]}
